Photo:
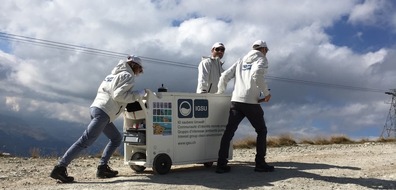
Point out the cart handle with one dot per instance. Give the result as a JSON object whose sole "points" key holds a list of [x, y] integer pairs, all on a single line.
{"points": [[149, 94]]}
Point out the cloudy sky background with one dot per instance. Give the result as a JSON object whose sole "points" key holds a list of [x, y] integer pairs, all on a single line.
{"points": [[330, 61]]}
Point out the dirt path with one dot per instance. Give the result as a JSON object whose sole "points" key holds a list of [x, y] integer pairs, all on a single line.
{"points": [[358, 166]]}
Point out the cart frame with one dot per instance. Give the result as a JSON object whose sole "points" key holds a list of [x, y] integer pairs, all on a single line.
{"points": [[174, 129]]}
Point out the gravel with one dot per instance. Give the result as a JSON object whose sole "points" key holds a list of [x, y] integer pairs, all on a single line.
{"points": [[348, 166]]}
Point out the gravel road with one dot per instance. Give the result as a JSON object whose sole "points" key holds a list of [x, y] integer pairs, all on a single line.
{"points": [[354, 166]]}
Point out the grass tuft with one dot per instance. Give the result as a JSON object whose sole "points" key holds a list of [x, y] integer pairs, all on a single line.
{"points": [[288, 140]]}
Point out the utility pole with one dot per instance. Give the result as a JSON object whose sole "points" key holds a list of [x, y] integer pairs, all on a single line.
{"points": [[390, 124]]}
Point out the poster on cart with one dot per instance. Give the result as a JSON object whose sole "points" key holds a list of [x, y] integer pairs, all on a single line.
{"points": [[189, 127]]}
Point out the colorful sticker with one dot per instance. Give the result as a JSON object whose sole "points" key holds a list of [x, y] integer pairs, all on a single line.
{"points": [[162, 118]]}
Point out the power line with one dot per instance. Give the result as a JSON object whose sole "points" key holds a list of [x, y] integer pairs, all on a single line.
{"points": [[113, 54], [82, 49], [59, 45]]}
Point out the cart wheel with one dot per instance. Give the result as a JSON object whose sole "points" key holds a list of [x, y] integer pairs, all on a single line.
{"points": [[138, 156], [162, 164], [208, 164]]}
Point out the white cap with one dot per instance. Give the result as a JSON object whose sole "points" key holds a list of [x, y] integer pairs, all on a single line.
{"points": [[135, 59], [259, 44], [217, 44]]}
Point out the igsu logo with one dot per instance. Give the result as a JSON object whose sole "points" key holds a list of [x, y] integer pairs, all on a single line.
{"points": [[185, 108], [199, 108]]}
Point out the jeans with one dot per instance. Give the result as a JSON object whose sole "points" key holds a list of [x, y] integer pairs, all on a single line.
{"points": [[100, 122], [255, 115]]}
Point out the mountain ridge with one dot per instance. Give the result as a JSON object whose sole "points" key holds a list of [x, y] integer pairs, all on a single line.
{"points": [[20, 135]]}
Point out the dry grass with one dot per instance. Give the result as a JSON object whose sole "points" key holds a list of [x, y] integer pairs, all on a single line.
{"points": [[341, 140], [249, 142], [283, 140], [386, 140], [288, 140], [35, 152]]}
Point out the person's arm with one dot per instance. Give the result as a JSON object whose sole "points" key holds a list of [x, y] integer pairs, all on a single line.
{"points": [[225, 77], [259, 76], [122, 89]]}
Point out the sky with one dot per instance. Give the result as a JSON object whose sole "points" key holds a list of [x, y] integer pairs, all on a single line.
{"points": [[330, 62]]}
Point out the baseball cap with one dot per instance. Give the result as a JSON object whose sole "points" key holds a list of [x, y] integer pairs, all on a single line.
{"points": [[259, 44], [217, 44], [135, 59]]}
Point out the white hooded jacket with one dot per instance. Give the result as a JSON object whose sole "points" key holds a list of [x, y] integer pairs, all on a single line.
{"points": [[249, 78], [115, 92]]}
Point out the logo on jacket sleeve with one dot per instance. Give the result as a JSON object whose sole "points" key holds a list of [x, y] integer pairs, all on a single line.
{"points": [[109, 78], [246, 67]]}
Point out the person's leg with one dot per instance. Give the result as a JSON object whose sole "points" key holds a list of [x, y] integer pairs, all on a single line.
{"points": [[235, 117], [255, 115], [111, 132], [99, 120], [115, 137]]}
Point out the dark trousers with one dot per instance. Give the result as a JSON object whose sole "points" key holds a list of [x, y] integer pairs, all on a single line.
{"points": [[255, 114]]}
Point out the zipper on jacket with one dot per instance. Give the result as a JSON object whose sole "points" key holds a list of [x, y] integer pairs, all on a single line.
{"points": [[119, 110], [210, 87]]}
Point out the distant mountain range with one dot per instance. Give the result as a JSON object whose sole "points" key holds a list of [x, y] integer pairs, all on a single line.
{"points": [[19, 136]]}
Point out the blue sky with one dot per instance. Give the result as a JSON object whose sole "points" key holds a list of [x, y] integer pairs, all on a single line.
{"points": [[361, 38], [349, 43]]}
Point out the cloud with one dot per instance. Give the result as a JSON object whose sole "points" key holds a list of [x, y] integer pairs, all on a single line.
{"points": [[172, 36], [379, 13], [365, 13], [53, 110], [12, 103]]}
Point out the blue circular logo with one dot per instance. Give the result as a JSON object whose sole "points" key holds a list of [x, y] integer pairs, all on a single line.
{"points": [[185, 108]]}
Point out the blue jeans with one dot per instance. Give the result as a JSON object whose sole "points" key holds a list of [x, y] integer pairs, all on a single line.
{"points": [[100, 122], [255, 115]]}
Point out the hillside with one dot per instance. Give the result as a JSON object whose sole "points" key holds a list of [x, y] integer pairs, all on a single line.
{"points": [[19, 136]]}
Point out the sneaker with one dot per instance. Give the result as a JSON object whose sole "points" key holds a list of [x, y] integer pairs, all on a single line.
{"points": [[264, 168], [223, 169], [60, 173], [104, 171]]}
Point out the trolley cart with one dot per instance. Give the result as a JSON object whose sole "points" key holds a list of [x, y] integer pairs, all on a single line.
{"points": [[169, 128]]}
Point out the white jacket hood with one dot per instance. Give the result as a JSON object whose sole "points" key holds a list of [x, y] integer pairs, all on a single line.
{"points": [[120, 67], [252, 56]]}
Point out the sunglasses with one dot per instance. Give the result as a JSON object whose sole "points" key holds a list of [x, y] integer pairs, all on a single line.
{"points": [[219, 49]]}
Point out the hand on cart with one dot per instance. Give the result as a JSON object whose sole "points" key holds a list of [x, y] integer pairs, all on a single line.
{"points": [[265, 99], [143, 93]]}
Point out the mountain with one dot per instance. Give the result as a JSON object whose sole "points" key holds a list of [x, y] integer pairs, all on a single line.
{"points": [[19, 136]]}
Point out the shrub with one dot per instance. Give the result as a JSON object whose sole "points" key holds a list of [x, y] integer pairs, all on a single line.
{"points": [[249, 142], [34, 152], [340, 140]]}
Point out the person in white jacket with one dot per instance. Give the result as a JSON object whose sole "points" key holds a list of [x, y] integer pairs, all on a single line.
{"points": [[249, 75], [114, 93], [210, 69]]}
